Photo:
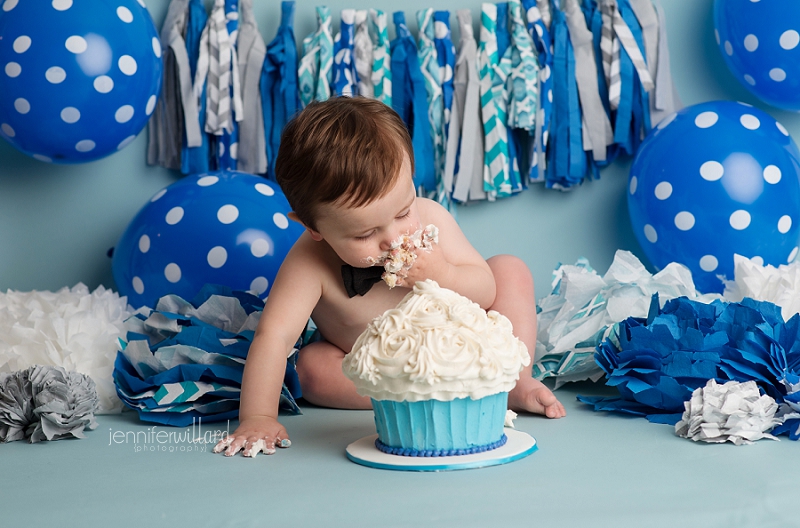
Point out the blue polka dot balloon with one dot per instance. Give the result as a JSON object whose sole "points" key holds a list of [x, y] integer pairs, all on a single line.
{"points": [[760, 42], [714, 180], [78, 79], [225, 227]]}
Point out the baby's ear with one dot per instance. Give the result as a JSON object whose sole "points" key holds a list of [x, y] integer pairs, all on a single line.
{"points": [[314, 235]]}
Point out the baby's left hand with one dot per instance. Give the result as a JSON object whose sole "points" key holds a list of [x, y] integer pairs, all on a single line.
{"points": [[430, 264]]}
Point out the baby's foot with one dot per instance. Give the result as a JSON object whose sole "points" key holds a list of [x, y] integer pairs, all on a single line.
{"points": [[533, 396]]}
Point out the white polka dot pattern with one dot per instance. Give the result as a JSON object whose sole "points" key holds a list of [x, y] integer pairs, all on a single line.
{"points": [[70, 115], [144, 244], [772, 174], [740, 219], [785, 224], [709, 263], [228, 214], [259, 285], [712, 170], [265, 189], [221, 227], [750, 122], [758, 41], [650, 233], [789, 39], [701, 199], [55, 75], [61, 51], [280, 220], [174, 215], [706, 119], [13, 69], [217, 257], [207, 181], [172, 272], [663, 190], [75, 44], [85, 145], [21, 44], [684, 220], [259, 247]]}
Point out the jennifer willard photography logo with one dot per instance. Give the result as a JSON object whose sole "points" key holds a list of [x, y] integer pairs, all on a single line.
{"points": [[153, 439]]}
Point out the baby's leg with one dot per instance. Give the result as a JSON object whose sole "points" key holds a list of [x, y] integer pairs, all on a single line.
{"points": [[319, 367], [516, 300]]}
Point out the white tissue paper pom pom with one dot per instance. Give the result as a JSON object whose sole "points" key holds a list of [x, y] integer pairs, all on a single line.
{"points": [[732, 412], [779, 285], [70, 328], [583, 308]]}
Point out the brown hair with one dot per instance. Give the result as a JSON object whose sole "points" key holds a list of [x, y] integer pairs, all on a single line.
{"points": [[346, 150]]}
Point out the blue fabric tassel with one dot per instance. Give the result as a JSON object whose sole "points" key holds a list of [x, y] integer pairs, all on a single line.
{"points": [[280, 97], [195, 160], [409, 99]]}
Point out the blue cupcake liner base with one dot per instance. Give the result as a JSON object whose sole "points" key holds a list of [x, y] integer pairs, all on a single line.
{"points": [[518, 446]]}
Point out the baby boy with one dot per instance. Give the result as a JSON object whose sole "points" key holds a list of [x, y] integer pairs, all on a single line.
{"points": [[346, 166]]}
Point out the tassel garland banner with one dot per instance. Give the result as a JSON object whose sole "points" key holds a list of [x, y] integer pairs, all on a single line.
{"points": [[593, 74]]}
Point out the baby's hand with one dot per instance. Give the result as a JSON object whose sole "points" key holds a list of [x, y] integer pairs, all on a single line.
{"points": [[429, 264], [254, 435]]}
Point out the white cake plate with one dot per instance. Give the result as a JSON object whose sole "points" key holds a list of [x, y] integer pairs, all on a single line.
{"points": [[519, 445]]}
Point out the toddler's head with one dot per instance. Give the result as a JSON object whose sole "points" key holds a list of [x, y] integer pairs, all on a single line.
{"points": [[347, 151]]}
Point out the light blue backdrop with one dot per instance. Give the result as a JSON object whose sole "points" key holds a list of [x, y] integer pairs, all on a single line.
{"points": [[57, 222]]}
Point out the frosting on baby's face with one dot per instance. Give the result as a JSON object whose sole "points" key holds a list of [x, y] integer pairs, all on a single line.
{"points": [[403, 252], [436, 344]]}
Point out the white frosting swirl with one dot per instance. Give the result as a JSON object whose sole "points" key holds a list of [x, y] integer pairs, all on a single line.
{"points": [[436, 344]]}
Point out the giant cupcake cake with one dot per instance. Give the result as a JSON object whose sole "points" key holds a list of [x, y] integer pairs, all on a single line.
{"points": [[438, 369]]}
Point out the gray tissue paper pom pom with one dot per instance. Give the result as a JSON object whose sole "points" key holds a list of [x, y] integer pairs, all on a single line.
{"points": [[46, 403], [16, 405]]}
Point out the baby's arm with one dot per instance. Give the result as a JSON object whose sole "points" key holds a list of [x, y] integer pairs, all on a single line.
{"points": [[453, 262], [293, 296]]}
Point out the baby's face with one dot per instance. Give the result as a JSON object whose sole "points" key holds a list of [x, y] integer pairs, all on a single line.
{"points": [[358, 233]]}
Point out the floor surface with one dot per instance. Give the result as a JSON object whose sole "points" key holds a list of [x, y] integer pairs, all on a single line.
{"points": [[591, 469]]}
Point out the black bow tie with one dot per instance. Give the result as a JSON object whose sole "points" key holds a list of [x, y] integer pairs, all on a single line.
{"points": [[360, 280]]}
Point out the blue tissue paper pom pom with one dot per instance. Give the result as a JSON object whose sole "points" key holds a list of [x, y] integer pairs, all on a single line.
{"points": [[657, 363], [184, 360]]}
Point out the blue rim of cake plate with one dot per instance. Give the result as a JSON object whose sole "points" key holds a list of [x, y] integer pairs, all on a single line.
{"points": [[519, 445]]}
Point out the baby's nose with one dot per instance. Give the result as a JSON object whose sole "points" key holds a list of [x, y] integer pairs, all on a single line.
{"points": [[389, 238]]}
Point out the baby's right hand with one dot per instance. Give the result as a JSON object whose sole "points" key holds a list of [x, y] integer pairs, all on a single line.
{"points": [[254, 435]]}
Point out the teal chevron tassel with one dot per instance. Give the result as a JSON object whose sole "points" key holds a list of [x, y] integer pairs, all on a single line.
{"points": [[381, 56], [496, 180], [315, 68]]}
